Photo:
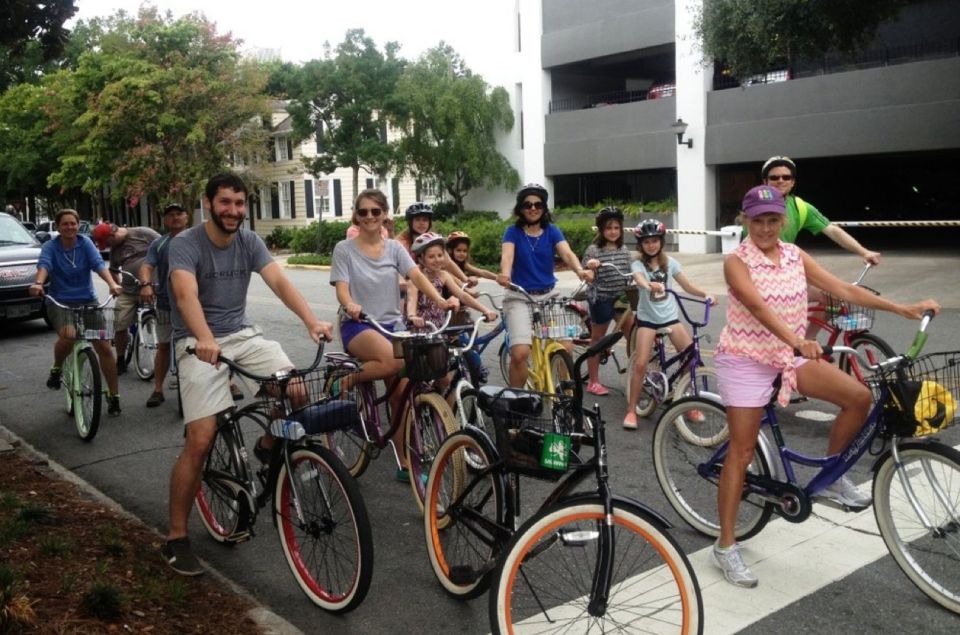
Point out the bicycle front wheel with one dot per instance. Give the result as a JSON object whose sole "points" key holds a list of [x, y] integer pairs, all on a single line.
{"points": [[548, 570], [690, 436], [88, 398], [872, 347], [917, 507], [561, 370], [428, 427], [145, 347], [464, 504], [324, 529]]}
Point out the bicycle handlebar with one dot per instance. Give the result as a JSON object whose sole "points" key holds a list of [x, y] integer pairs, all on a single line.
{"points": [[919, 340], [232, 365], [685, 298], [77, 308], [460, 329], [404, 335]]}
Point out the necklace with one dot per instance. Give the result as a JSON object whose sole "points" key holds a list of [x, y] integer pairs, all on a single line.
{"points": [[71, 257], [533, 244]]}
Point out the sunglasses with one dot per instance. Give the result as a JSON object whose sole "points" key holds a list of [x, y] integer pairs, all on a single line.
{"points": [[373, 211], [532, 205], [779, 177]]}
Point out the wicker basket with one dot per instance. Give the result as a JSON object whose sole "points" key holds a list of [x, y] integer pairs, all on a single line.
{"points": [[922, 399]]}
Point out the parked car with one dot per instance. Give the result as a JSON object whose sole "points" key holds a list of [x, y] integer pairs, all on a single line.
{"points": [[19, 253], [659, 91], [30, 227]]}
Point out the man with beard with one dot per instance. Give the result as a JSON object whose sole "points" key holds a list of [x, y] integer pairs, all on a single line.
{"points": [[210, 268]]}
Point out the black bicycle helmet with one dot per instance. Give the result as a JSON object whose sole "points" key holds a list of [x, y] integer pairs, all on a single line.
{"points": [[532, 188], [608, 213], [776, 162], [649, 228], [418, 209]]}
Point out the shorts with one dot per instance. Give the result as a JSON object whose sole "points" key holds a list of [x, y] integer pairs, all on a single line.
{"points": [[745, 383], [601, 311], [205, 389], [643, 324], [164, 327], [62, 319], [516, 312], [125, 311], [349, 329]]}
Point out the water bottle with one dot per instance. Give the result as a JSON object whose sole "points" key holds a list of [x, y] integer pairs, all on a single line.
{"points": [[287, 429], [90, 334]]}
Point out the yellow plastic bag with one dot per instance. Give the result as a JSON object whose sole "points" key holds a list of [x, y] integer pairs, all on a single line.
{"points": [[935, 408]]}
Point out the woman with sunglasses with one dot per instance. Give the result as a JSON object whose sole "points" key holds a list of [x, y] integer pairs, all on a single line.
{"points": [[526, 258], [780, 173]]}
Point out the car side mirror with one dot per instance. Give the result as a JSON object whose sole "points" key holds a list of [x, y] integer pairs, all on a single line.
{"points": [[42, 236]]}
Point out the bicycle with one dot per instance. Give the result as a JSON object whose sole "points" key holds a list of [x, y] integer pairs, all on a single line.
{"points": [[624, 310], [318, 510], [142, 344], [81, 378], [916, 482], [427, 416], [591, 556]]}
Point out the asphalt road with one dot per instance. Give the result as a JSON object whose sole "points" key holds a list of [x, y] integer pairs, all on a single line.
{"points": [[131, 458]]}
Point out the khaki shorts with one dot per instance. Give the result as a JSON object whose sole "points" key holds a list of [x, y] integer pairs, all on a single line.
{"points": [[516, 311], [205, 389], [164, 327], [125, 311]]}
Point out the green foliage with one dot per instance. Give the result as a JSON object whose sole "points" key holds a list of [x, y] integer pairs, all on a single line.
{"points": [[310, 259], [279, 238], [102, 601], [753, 37], [36, 514], [55, 546], [31, 34], [629, 208], [318, 237], [450, 119]]}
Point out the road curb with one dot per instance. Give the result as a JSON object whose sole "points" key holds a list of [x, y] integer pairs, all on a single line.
{"points": [[270, 622]]}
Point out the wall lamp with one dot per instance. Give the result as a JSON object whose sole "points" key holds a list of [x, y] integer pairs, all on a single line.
{"points": [[680, 126]]}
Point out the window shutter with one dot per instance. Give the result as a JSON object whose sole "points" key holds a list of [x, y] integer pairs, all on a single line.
{"points": [[274, 200], [293, 205], [273, 149], [308, 196], [337, 203], [369, 183], [289, 149]]}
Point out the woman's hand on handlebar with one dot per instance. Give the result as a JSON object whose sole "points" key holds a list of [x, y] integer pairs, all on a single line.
{"points": [[593, 263], [490, 315], [809, 349], [451, 304], [711, 300], [353, 310], [36, 289], [115, 289], [916, 310], [503, 279]]}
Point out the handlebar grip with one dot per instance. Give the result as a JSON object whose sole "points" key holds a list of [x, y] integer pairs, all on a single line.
{"points": [[827, 350], [928, 314]]}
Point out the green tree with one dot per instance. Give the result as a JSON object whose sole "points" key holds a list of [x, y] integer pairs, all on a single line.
{"points": [[753, 37], [31, 37], [450, 118], [344, 98]]}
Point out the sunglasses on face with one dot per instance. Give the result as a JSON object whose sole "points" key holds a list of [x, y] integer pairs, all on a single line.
{"points": [[532, 205], [372, 211], [779, 177]]}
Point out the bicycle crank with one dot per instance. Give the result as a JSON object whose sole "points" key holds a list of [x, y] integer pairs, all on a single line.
{"points": [[791, 502]]}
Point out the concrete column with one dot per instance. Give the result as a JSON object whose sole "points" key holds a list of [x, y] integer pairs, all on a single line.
{"points": [[696, 182]]}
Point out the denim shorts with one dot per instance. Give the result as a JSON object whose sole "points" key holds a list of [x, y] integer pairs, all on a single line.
{"points": [[601, 311]]}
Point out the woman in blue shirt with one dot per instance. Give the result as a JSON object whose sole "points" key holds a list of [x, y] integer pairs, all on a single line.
{"points": [[526, 259], [66, 262]]}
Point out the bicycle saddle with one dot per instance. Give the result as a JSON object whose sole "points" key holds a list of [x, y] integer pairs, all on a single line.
{"points": [[495, 399]]}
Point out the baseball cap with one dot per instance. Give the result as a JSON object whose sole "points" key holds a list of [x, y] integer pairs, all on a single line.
{"points": [[100, 234], [763, 199], [173, 206]]}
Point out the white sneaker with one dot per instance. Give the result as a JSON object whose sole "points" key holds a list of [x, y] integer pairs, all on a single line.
{"points": [[846, 493], [734, 570]]}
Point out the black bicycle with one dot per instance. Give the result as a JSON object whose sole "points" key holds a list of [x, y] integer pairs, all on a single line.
{"points": [[318, 509]]}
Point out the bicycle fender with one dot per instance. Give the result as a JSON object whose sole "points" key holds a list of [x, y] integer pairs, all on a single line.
{"points": [[652, 514], [483, 440]]}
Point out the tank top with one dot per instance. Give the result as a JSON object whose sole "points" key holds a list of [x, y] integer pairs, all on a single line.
{"points": [[427, 308]]}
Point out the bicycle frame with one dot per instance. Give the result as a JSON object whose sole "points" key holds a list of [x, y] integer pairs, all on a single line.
{"points": [[687, 360], [541, 349]]}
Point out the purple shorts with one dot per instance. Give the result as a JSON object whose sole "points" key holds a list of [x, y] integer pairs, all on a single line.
{"points": [[349, 329], [745, 383]]}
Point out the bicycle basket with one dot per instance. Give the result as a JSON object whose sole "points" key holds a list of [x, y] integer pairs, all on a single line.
{"points": [[848, 316], [552, 319], [922, 399], [426, 358], [91, 322], [533, 433], [313, 398]]}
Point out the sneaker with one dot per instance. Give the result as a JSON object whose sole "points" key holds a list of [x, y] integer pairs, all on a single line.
{"points": [[53, 380], [113, 405], [121, 366], [403, 475], [179, 556], [734, 570], [630, 421], [155, 399], [596, 388], [846, 493]]}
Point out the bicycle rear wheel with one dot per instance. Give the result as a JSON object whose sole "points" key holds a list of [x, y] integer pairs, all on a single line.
{"points": [[428, 427], [145, 347], [350, 445], [464, 503], [678, 454], [925, 486], [548, 570], [223, 511], [872, 347], [88, 399], [324, 529]]}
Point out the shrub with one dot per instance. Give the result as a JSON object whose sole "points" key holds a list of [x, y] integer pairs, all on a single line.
{"points": [[102, 601], [279, 238], [318, 237], [309, 259]]}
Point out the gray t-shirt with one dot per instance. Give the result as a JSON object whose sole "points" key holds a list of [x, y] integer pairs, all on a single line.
{"points": [[223, 276], [130, 255], [373, 283], [158, 257]]}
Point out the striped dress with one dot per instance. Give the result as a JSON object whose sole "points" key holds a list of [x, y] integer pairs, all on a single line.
{"points": [[783, 289]]}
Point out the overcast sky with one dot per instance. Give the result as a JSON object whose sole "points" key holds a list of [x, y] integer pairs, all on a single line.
{"points": [[298, 28]]}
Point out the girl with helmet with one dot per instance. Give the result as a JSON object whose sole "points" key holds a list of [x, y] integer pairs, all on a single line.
{"points": [[526, 258], [607, 247], [428, 250], [654, 272], [419, 217], [458, 249]]}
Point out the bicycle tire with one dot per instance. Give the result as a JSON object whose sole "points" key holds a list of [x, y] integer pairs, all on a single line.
{"points": [[66, 382], [708, 389], [461, 549], [548, 569], [646, 403], [428, 426], [145, 348], [220, 509], [503, 355], [930, 558], [351, 446], [330, 552], [872, 346], [88, 402], [560, 364], [675, 462]]}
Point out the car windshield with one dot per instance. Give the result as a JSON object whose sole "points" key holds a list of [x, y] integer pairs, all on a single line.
{"points": [[13, 233]]}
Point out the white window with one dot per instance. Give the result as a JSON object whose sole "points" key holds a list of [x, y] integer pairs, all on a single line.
{"points": [[282, 148], [285, 192], [428, 189], [321, 198]]}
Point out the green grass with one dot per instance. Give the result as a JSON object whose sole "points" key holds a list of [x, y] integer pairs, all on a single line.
{"points": [[102, 601], [55, 546]]}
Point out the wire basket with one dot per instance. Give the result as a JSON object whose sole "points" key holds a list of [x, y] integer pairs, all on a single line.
{"points": [[848, 316], [923, 398], [535, 438], [309, 398], [552, 319], [89, 322], [425, 358]]}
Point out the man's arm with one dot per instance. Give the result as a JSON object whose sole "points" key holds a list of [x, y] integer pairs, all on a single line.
{"points": [[145, 275], [187, 296], [281, 286], [848, 242]]}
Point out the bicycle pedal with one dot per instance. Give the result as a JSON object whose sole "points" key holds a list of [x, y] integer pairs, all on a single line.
{"points": [[240, 536], [829, 502]]}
